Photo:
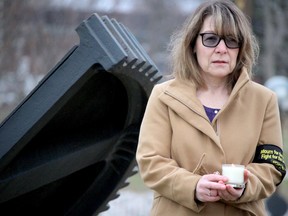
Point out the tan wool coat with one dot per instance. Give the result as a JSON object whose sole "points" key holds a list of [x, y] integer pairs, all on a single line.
{"points": [[178, 144]]}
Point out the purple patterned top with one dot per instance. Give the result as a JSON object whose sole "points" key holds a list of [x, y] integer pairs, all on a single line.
{"points": [[211, 112]]}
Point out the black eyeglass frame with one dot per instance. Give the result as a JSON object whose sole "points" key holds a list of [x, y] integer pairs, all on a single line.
{"points": [[219, 39]]}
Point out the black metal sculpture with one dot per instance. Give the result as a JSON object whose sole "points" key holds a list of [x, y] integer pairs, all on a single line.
{"points": [[70, 145]]}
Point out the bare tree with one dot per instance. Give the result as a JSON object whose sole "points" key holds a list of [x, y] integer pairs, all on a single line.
{"points": [[34, 37], [161, 19]]}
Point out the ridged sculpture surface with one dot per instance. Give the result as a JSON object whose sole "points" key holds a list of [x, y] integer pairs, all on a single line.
{"points": [[70, 145]]}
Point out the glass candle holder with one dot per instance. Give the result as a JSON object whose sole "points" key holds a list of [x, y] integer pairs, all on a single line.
{"points": [[235, 174]]}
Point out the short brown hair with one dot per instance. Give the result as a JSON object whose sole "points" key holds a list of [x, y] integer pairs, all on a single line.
{"points": [[229, 20]]}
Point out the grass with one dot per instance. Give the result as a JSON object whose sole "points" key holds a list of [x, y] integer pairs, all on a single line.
{"points": [[136, 184]]}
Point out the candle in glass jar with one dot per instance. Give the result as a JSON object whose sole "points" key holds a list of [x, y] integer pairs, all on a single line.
{"points": [[235, 174]]}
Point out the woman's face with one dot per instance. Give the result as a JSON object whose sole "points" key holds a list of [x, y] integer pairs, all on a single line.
{"points": [[215, 62]]}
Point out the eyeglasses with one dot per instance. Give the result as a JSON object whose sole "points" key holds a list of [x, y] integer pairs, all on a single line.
{"points": [[212, 40]]}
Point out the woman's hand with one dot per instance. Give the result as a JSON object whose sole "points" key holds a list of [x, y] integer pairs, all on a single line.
{"points": [[232, 194], [209, 186]]}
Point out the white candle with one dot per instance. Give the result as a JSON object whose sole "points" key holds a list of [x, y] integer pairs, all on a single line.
{"points": [[235, 174]]}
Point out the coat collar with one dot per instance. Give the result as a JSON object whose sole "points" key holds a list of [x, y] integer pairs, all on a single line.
{"points": [[181, 98]]}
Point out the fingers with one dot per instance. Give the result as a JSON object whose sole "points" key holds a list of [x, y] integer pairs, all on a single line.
{"points": [[216, 177], [208, 186], [212, 188], [216, 181], [212, 196], [208, 195], [230, 194], [246, 175]]}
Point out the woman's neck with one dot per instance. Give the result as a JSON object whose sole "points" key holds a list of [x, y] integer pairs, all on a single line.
{"points": [[214, 96]]}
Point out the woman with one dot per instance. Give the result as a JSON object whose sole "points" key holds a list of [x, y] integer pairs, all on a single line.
{"points": [[210, 114]]}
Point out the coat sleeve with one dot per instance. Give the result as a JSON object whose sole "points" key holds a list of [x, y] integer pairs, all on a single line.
{"points": [[157, 169], [268, 168]]}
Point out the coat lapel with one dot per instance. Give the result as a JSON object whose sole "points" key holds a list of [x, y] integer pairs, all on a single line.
{"points": [[183, 101], [181, 98]]}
